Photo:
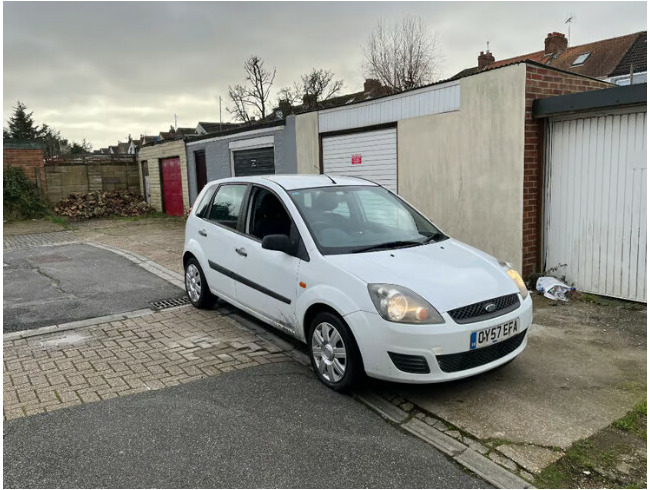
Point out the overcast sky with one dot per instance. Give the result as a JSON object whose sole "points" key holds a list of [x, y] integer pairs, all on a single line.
{"points": [[102, 71]]}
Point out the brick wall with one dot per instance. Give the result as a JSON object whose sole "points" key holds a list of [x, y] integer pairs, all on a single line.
{"points": [[541, 82], [30, 160]]}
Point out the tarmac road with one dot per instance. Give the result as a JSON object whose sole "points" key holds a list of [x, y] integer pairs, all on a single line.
{"points": [[55, 284], [269, 426]]}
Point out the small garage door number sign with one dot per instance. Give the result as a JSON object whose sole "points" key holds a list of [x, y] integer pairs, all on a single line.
{"points": [[356, 159]]}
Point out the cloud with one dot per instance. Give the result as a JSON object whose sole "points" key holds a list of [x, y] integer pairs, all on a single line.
{"points": [[102, 70]]}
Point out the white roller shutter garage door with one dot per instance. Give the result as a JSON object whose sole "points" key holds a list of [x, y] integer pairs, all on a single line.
{"points": [[371, 155], [596, 203]]}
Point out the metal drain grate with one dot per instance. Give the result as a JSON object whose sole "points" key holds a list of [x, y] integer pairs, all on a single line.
{"points": [[163, 304]]}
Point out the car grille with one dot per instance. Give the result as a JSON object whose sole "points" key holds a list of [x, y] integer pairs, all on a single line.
{"points": [[476, 312], [450, 363], [410, 364]]}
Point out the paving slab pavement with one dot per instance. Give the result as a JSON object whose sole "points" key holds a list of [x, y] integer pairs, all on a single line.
{"points": [[573, 380]]}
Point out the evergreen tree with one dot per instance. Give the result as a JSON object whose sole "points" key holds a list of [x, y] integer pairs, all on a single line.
{"points": [[21, 125]]}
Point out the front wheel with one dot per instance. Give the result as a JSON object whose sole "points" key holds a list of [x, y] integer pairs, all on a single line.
{"points": [[196, 286], [333, 352]]}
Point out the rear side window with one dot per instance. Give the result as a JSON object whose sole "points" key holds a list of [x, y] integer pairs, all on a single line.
{"points": [[226, 205], [203, 206]]}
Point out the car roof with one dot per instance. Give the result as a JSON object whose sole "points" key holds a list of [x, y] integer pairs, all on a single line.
{"points": [[290, 182]]}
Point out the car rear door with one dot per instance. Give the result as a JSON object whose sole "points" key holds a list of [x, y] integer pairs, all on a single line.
{"points": [[219, 236]]}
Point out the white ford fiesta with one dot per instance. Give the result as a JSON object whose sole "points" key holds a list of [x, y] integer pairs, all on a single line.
{"points": [[350, 268]]}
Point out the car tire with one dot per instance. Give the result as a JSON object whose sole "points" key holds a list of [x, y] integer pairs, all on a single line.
{"points": [[333, 352], [196, 286]]}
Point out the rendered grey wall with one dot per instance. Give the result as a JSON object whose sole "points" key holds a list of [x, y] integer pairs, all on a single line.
{"points": [[217, 153], [465, 169]]}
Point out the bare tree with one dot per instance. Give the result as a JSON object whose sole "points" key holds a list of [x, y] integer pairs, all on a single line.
{"points": [[289, 95], [316, 86], [320, 84], [403, 56], [240, 100], [255, 93]]}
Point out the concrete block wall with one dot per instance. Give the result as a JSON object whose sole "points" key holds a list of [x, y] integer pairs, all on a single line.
{"points": [[63, 180], [30, 160], [153, 155], [541, 82]]}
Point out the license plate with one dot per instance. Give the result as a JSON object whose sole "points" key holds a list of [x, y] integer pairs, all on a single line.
{"points": [[492, 335]]}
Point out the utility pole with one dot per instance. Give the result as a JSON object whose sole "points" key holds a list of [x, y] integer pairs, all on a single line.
{"points": [[220, 113]]}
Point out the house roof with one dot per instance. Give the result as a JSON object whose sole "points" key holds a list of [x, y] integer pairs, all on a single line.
{"points": [[605, 57], [185, 131], [637, 56]]}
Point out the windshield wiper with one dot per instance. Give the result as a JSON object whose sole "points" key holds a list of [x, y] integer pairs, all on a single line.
{"points": [[381, 246], [436, 237]]}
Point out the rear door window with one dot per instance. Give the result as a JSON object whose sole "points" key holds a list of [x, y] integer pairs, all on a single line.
{"points": [[203, 206]]}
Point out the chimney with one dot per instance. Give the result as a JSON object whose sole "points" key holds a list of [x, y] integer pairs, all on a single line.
{"points": [[285, 107], [309, 100], [555, 43], [371, 85], [485, 60]]}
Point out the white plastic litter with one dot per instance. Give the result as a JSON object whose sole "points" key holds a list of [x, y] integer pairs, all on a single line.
{"points": [[553, 288]]}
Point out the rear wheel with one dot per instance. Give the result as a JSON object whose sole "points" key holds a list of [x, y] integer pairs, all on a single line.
{"points": [[333, 352], [196, 286]]}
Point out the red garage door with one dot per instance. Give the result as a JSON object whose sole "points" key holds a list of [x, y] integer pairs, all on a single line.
{"points": [[171, 186]]}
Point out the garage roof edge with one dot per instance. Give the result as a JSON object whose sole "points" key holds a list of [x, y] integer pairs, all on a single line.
{"points": [[615, 97]]}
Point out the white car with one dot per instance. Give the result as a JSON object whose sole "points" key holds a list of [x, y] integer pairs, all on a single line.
{"points": [[363, 278]]}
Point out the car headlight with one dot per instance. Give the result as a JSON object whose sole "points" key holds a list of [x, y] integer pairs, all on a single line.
{"points": [[514, 275], [401, 305]]}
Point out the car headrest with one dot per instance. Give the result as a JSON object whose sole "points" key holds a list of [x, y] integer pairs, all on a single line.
{"points": [[325, 201]]}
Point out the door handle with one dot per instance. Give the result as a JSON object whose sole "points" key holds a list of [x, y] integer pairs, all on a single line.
{"points": [[241, 251], [203, 233]]}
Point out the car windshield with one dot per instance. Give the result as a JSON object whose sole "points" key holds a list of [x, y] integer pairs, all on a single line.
{"points": [[357, 219]]}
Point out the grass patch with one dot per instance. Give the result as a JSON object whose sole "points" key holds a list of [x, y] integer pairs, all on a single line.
{"points": [[615, 457], [612, 302], [62, 221], [633, 420], [579, 462], [152, 215]]}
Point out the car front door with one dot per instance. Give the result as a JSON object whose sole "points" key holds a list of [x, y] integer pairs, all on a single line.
{"points": [[269, 279], [219, 233]]}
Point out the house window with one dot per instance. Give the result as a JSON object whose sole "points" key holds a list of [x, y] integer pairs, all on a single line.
{"points": [[581, 59]]}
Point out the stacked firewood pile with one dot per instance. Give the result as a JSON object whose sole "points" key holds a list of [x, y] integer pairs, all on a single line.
{"points": [[102, 204]]}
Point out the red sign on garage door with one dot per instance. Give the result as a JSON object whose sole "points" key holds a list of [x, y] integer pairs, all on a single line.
{"points": [[356, 159]]}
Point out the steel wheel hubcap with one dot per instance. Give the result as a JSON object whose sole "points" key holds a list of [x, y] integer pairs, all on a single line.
{"points": [[329, 352], [193, 282]]}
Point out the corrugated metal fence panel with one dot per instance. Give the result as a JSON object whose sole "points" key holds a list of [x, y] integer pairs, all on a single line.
{"points": [[432, 100], [376, 149], [596, 215]]}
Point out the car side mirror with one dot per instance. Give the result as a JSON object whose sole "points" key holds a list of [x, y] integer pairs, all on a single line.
{"points": [[281, 243]]}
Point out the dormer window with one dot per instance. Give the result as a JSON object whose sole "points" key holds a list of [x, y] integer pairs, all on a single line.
{"points": [[581, 59]]}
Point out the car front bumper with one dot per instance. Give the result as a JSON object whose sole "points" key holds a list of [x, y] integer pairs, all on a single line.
{"points": [[377, 337]]}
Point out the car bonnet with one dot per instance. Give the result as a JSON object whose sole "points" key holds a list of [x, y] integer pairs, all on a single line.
{"points": [[448, 274]]}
